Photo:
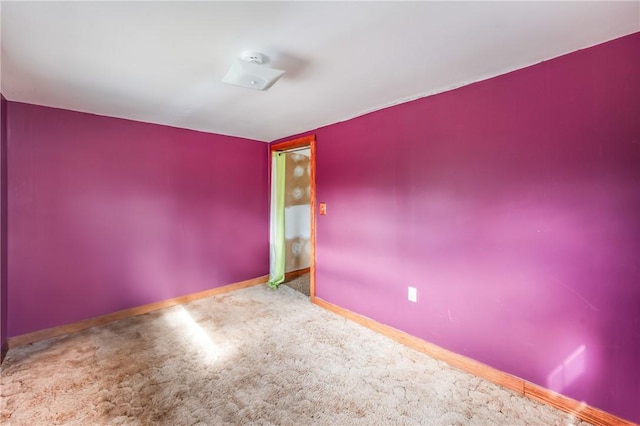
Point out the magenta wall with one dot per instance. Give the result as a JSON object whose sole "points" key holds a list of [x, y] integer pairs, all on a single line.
{"points": [[513, 205], [3, 220], [106, 214]]}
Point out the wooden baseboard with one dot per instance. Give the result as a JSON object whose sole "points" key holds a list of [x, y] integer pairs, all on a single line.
{"points": [[48, 333], [579, 409], [3, 350], [521, 386], [297, 273]]}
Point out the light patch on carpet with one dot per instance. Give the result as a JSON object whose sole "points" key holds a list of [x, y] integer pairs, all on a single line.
{"points": [[194, 338]]}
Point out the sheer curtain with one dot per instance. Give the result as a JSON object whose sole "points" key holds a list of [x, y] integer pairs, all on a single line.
{"points": [[276, 231]]}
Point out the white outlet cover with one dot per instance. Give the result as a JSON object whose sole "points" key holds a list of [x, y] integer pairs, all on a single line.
{"points": [[413, 294]]}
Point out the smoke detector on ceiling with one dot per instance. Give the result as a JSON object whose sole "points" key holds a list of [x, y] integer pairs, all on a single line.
{"points": [[251, 71]]}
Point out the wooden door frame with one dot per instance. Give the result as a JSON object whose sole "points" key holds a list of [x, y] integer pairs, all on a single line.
{"points": [[301, 142]]}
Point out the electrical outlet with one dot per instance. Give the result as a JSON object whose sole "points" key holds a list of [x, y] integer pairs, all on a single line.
{"points": [[413, 294]]}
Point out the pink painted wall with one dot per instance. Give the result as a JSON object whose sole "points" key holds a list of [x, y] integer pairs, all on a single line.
{"points": [[513, 205], [3, 220], [106, 214]]}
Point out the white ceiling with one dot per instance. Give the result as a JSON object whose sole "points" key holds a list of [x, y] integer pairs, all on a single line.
{"points": [[162, 62]]}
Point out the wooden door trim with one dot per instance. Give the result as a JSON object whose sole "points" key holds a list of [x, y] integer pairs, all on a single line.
{"points": [[310, 141]]}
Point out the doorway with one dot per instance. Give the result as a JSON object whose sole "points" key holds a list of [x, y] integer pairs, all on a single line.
{"points": [[293, 221]]}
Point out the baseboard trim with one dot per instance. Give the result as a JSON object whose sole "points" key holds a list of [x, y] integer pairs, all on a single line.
{"points": [[48, 333], [581, 410], [506, 380], [296, 273]]}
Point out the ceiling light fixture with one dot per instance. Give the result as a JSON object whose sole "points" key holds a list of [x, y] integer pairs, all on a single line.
{"points": [[251, 72]]}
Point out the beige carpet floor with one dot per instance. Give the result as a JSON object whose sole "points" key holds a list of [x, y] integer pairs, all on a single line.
{"points": [[254, 356], [300, 283]]}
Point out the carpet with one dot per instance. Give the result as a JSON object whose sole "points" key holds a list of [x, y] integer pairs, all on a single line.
{"points": [[300, 283], [254, 356]]}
